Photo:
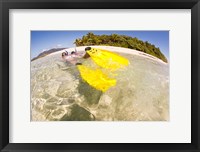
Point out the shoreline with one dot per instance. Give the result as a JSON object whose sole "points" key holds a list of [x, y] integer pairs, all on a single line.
{"points": [[113, 49]]}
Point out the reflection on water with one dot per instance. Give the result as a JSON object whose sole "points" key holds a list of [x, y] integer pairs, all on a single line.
{"points": [[59, 93]]}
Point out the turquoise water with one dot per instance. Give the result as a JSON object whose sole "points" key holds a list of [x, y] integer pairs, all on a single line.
{"points": [[59, 94]]}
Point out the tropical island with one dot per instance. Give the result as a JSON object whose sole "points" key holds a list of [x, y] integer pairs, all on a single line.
{"points": [[120, 41]]}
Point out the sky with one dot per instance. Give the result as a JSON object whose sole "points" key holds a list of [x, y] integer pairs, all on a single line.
{"points": [[44, 40]]}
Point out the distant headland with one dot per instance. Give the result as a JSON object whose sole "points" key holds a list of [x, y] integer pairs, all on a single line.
{"points": [[47, 52]]}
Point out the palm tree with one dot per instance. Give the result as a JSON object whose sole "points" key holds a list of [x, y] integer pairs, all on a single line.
{"points": [[84, 40], [78, 42], [90, 35], [114, 37]]}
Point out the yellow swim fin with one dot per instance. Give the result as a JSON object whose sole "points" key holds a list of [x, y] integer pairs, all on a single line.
{"points": [[96, 78], [107, 59]]}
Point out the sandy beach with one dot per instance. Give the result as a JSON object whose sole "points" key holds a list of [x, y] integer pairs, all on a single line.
{"points": [[114, 49]]}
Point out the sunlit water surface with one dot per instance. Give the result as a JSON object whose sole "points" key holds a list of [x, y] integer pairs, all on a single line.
{"points": [[59, 94]]}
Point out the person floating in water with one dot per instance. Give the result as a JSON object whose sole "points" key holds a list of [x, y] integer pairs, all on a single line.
{"points": [[70, 58], [96, 77]]}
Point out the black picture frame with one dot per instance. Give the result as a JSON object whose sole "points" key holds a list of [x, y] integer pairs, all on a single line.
{"points": [[5, 5]]}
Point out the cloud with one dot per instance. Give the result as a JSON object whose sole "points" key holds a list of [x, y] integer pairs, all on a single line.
{"points": [[58, 45]]}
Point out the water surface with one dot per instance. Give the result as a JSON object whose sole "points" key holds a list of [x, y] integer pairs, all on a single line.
{"points": [[59, 94]]}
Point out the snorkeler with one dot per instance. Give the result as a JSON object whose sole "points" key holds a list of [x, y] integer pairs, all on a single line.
{"points": [[72, 58], [69, 58]]}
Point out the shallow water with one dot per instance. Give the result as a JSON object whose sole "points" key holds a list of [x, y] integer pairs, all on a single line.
{"points": [[59, 94]]}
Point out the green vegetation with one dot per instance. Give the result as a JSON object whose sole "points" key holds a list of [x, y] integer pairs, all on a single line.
{"points": [[120, 41]]}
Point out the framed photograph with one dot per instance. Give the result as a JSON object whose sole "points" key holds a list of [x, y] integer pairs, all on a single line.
{"points": [[99, 75]]}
